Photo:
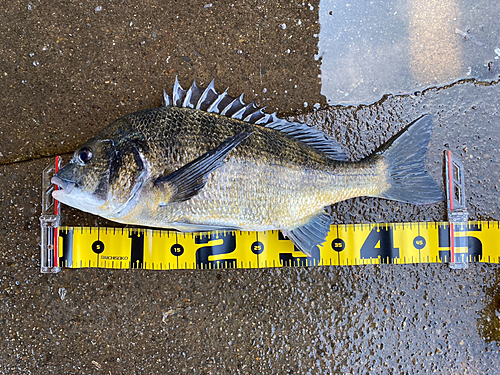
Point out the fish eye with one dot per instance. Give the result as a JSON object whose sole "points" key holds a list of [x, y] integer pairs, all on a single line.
{"points": [[85, 154]]}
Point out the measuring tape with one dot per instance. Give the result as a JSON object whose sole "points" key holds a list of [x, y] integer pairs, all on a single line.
{"points": [[346, 245], [457, 242]]}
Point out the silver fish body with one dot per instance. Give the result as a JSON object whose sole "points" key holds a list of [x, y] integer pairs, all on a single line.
{"points": [[206, 161]]}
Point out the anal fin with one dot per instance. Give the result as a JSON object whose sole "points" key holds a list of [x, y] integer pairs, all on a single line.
{"points": [[311, 234]]}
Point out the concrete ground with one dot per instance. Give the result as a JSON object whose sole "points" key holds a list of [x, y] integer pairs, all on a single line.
{"points": [[67, 69]]}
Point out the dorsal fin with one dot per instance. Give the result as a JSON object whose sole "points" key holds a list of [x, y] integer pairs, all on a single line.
{"points": [[208, 100], [178, 94], [193, 95]]}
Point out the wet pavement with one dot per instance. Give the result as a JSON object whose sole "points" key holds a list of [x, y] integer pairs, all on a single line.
{"points": [[67, 69], [372, 48]]}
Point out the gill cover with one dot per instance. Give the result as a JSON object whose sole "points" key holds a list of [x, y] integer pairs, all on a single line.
{"points": [[106, 173], [127, 173]]}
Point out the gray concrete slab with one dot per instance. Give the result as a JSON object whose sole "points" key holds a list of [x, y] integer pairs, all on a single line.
{"points": [[67, 69], [371, 48]]}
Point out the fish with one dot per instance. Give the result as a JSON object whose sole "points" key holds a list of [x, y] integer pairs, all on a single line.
{"points": [[205, 161]]}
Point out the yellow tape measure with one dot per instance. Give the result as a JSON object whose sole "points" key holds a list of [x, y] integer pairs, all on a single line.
{"points": [[351, 244]]}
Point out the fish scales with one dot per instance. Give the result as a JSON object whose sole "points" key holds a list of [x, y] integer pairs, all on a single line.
{"points": [[268, 182], [189, 169]]}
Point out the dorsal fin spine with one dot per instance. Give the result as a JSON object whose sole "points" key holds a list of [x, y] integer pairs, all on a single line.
{"points": [[178, 94], [264, 120], [210, 101], [259, 112], [243, 112], [248, 110], [236, 103], [203, 97], [167, 100], [213, 107], [189, 93]]}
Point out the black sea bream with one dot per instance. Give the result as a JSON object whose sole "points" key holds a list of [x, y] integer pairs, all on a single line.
{"points": [[206, 161]]}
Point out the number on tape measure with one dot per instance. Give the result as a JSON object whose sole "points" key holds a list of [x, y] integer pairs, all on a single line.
{"points": [[227, 246], [98, 247], [380, 243], [345, 245]]}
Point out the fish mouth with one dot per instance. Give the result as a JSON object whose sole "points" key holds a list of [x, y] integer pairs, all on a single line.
{"points": [[65, 187]]}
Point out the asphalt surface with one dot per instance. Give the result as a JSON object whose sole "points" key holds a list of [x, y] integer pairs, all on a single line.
{"points": [[67, 69]]}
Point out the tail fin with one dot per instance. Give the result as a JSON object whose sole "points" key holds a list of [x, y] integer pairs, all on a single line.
{"points": [[405, 157]]}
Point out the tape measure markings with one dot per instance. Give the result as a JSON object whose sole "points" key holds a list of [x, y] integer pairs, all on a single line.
{"points": [[347, 244]]}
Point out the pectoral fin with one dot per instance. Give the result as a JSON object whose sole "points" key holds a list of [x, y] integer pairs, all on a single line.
{"points": [[186, 182], [312, 234]]}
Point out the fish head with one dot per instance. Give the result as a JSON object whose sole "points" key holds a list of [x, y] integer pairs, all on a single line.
{"points": [[103, 175], [84, 182]]}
